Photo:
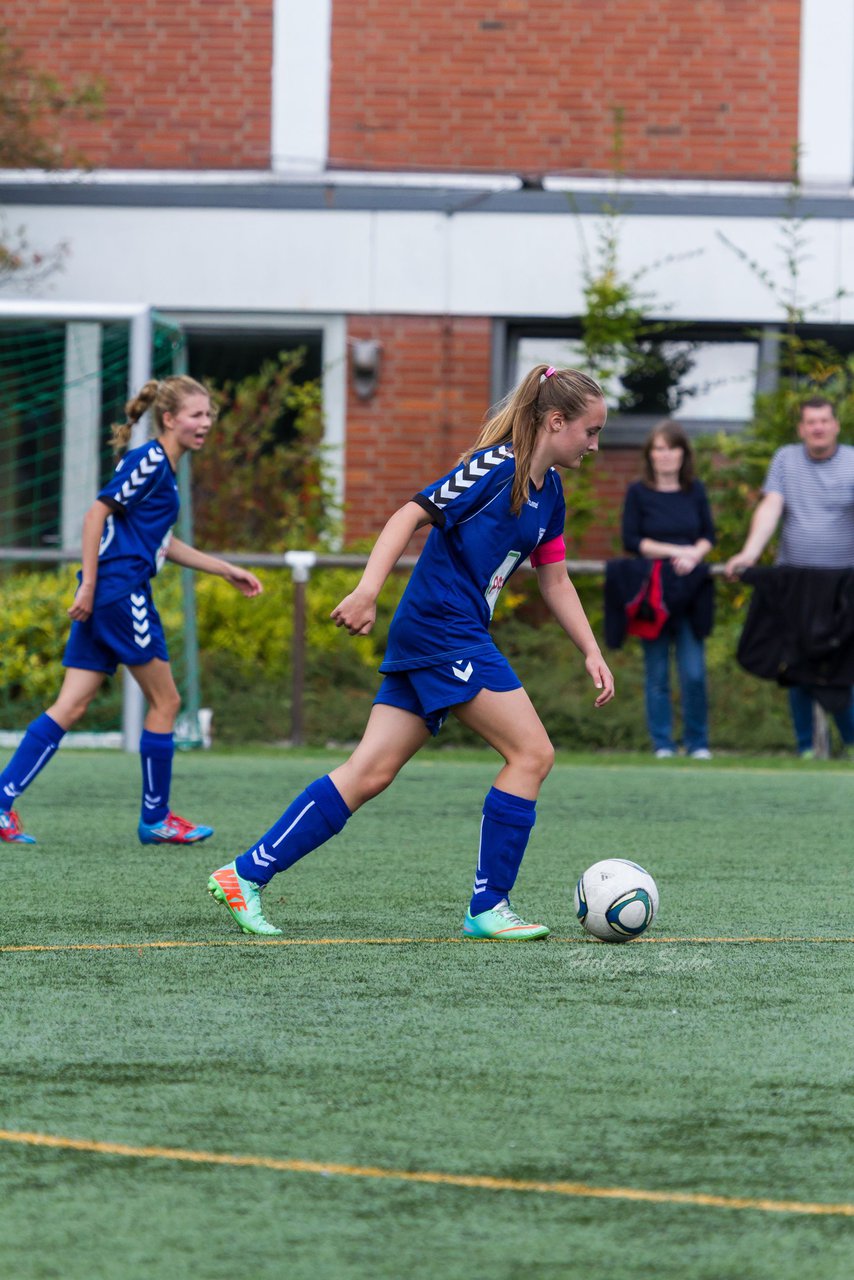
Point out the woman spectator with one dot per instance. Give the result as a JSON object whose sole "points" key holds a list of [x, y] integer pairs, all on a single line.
{"points": [[666, 516]]}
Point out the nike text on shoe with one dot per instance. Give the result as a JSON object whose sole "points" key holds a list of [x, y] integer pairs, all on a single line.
{"points": [[243, 899], [10, 828], [173, 830], [501, 924]]}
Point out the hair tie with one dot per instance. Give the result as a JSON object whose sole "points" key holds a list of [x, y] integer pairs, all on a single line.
{"points": [[548, 373]]}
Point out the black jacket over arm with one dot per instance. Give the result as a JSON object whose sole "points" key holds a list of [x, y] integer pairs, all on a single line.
{"points": [[800, 631], [690, 595]]}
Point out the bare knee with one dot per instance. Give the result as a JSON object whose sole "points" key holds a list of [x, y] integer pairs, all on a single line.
{"points": [[166, 705], [541, 759], [70, 708], [69, 713], [373, 781], [535, 760], [359, 782]]}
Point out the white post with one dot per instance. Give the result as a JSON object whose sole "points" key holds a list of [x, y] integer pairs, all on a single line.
{"points": [[133, 704], [81, 424], [826, 94], [301, 78], [300, 564]]}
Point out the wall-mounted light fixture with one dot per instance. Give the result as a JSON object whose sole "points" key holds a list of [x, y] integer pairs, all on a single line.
{"points": [[365, 366]]}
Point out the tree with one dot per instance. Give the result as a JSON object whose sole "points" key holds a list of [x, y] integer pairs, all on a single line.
{"points": [[735, 466], [628, 353], [262, 483], [33, 106]]}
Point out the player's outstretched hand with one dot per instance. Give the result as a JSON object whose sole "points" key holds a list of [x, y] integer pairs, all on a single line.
{"points": [[83, 603], [600, 673], [245, 581], [357, 612]]}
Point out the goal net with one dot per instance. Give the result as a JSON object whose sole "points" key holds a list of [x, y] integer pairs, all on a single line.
{"points": [[65, 375]]}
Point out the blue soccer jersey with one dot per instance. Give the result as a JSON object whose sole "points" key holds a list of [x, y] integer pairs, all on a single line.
{"points": [[143, 499], [474, 547]]}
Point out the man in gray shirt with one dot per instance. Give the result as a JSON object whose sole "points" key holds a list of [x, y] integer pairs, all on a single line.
{"points": [[811, 486]]}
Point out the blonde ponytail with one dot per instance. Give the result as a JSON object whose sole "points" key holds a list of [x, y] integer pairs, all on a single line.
{"points": [[517, 419]]}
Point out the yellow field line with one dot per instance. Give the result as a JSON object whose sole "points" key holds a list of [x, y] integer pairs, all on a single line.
{"points": [[372, 942], [471, 1181], [750, 938]]}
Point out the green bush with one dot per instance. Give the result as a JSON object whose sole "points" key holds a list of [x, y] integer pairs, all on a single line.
{"points": [[245, 645], [32, 637], [245, 648]]}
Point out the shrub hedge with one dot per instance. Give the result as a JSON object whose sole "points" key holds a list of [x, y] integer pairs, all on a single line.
{"points": [[245, 654]]}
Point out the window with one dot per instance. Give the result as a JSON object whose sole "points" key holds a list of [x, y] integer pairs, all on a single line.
{"points": [[716, 371]]}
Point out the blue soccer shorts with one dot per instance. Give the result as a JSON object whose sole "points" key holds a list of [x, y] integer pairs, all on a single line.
{"points": [[126, 631], [431, 692]]}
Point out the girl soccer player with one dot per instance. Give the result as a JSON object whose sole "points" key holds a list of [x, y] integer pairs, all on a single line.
{"points": [[126, 537], [502, 503]]}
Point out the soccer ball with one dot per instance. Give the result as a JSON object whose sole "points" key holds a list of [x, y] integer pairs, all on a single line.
{"points": [[616, 900]]}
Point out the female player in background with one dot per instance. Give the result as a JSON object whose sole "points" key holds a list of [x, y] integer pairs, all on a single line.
{"points": [[501, 504], [126, 537]]}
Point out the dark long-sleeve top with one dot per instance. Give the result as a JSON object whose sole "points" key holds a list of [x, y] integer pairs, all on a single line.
{"points": [[681, 517]]}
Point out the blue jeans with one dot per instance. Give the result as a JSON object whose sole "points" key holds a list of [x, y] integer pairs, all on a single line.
{"points": [[800, 704], [691, 669]]}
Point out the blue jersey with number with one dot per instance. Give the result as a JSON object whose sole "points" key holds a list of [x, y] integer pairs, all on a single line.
{"points": [[475, 545], [142, 495]]}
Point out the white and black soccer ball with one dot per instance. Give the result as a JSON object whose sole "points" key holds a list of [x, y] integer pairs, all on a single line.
{"points": [[616, 900]]}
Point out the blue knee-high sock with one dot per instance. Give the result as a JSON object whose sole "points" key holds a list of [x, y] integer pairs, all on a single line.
{"points": [[156, 751], [504, 833], [317, 814], [38, 745]]}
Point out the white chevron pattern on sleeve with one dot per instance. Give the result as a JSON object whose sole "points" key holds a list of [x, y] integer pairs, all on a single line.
{"points": [[463, 479], [145, 467]]}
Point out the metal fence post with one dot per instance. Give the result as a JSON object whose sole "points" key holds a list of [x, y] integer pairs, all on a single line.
{"points": [[300, 564], [139, 371], [820, 732]]}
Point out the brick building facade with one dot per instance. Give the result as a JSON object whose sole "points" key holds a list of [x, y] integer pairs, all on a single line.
{"points": [[704, 91]]}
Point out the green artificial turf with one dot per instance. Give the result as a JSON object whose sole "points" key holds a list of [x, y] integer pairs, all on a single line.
{"points": [[687, 1066]]}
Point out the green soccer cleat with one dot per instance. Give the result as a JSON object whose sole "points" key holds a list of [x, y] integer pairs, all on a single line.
{"points": [[243, 899], [501, 924]]}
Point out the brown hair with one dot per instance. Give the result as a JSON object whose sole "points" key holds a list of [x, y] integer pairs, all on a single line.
{"points": [[817, 402], [520, 415], [166, 396], [676, 438]]}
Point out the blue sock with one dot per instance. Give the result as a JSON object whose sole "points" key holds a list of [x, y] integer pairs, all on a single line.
{"points": [[504, 833], [39, 744], [156, 751], [316, 815]]}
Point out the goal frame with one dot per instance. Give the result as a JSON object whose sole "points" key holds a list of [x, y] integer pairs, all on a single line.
{"points": [[140, 319]]}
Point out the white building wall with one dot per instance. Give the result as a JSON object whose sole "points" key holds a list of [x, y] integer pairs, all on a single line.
{"points": [[426, 263]]}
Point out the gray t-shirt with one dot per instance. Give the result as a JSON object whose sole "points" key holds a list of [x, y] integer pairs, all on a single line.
{"points": [[818, 515]]}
